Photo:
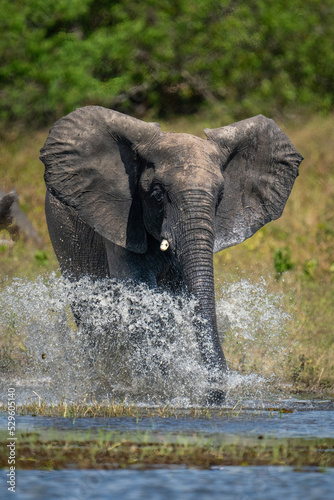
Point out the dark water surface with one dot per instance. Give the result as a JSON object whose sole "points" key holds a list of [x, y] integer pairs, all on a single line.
{"points": [[237, 483]]}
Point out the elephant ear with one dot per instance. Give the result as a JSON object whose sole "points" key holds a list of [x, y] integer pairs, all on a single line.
{"points": [[91, 165], [259, 166]]}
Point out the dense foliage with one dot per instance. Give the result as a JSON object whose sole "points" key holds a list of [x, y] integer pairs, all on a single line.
{"points": [[167, 56]]}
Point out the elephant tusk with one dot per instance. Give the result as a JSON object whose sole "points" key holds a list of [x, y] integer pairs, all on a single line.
{"points": [[164, 245]]}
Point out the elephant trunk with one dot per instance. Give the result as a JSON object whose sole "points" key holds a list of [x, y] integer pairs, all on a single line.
{"points": [[195, 254]]}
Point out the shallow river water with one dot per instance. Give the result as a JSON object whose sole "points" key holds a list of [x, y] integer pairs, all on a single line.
{"points": [[232, 483], [308, 419], [51, 363]]}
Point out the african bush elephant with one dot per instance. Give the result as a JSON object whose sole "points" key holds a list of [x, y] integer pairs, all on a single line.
{"points": [[127, 201]]}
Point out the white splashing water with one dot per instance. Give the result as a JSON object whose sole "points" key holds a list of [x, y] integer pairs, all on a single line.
{"points": [[140, 346], [258, 336]]}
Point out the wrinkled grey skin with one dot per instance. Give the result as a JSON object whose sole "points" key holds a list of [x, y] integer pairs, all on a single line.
{"points": [[117, 187]]}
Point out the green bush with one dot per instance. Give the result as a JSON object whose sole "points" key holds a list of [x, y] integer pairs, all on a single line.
{"points": [[167, 56], [282, 261]]}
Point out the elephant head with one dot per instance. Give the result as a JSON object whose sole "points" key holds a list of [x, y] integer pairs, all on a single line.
{"points": [[171, 196]]}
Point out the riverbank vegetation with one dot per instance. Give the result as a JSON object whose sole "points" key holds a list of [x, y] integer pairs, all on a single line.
{"points": [[53, 450]]}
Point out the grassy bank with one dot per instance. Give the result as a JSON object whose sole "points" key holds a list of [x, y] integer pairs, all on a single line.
{"points": [[54, 450], [294, 254]]}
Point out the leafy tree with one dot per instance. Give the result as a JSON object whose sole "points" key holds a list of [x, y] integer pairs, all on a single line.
{"points": [[168, 55]]}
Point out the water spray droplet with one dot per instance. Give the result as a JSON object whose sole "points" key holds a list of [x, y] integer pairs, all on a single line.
{"points": [[135, 343]]}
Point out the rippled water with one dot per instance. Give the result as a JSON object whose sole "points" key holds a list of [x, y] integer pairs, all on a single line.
{"points": [[140, 345], [306, 421], [230, 483]]}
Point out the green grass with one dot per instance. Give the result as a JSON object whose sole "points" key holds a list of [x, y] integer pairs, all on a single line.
{"points": [[96, 448], [104, 409], [52, 450], [294, 254]]}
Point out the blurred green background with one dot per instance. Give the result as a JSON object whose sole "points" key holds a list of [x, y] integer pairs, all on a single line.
{"points": [[189, 65], [164, 57]]}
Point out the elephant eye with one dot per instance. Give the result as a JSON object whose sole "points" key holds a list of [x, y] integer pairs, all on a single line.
{"points": [[158, 194]]}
